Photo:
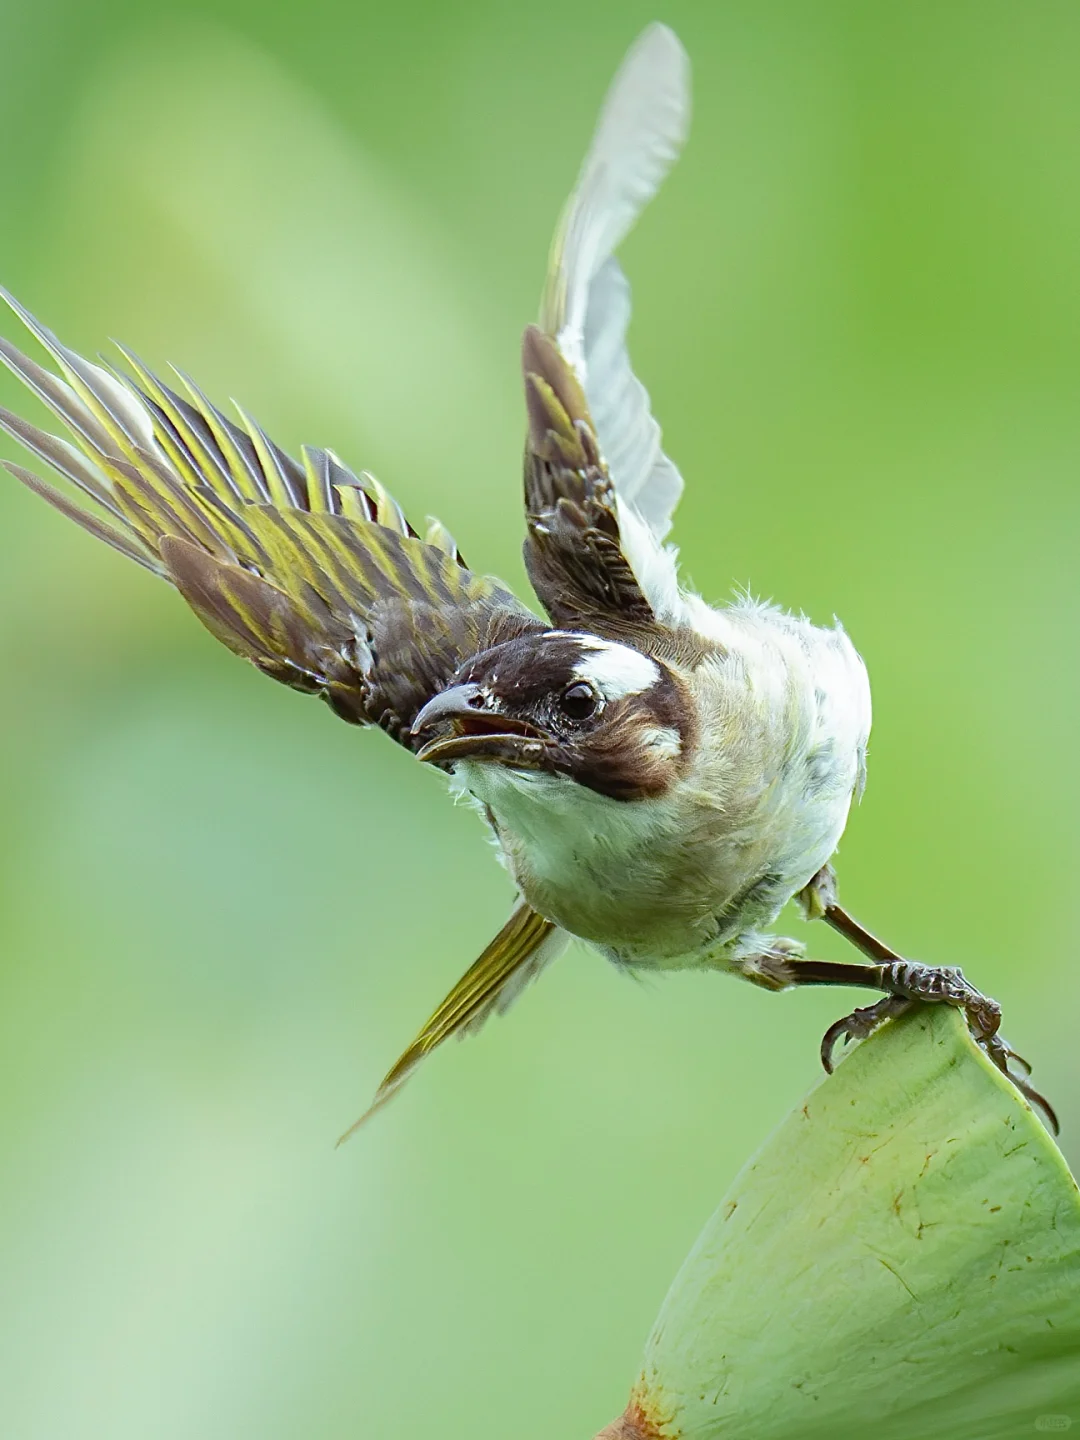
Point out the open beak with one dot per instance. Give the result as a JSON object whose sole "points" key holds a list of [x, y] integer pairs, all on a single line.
{"points": [[476, 731]]}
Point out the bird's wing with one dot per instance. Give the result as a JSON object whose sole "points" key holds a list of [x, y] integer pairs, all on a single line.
{"points": [[521, 949], [586, 302], [307, 570], [574, 552]]}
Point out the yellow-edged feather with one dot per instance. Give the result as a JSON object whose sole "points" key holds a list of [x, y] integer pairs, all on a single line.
{"points": [[520, 943]]}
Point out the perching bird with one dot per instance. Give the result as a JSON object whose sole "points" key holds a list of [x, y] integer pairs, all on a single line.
{"points": [[661, 776]]}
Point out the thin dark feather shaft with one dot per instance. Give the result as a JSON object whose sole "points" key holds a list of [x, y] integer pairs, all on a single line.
{"points": [[285, 478]]}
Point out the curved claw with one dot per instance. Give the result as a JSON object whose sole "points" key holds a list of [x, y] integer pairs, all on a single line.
{"points": [[1025, 1065], [906, 984], [1038, 1101], [1000, 1052], [947, 985], [828, 1042], [859, 1024]]}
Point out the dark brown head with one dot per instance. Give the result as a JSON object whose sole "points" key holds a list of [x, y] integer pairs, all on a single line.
{"points": [[606, 715]]}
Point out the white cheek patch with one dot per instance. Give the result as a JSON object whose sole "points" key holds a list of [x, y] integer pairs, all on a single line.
{"points": [[662, 741], [616, 670]]}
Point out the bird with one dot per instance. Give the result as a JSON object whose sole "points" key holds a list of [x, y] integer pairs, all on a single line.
{"points": [[660, 775]]}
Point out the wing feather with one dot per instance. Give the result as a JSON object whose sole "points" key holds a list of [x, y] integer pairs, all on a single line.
{"points": [[109, 403], [89, 522], [573, 545], [586, 302], [308, 570]]}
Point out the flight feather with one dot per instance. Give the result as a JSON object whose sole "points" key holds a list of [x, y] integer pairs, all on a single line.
{"points": [[586, 302]]}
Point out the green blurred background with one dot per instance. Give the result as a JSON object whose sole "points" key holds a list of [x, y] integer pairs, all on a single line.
{"points": [[223, 912]]}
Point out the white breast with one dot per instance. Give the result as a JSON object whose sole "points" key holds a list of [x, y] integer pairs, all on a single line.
{"points": [[785, 714]]}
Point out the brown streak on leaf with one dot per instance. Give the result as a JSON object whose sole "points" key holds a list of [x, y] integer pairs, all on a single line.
{"points": [[641, 1420], [632, 1424]]}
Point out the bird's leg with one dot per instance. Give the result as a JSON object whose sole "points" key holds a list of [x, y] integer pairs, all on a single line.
{"points": [[905, 984]]}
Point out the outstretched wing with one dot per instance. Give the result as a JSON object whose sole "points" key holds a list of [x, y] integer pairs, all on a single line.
{"points": [[586, 303], [573, 545], [309, 571], [522, 948]]}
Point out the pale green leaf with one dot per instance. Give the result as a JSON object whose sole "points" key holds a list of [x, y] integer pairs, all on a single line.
{"points": [[901, 1259]]}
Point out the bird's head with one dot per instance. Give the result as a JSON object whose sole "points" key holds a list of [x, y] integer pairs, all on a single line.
{"points": [[600, 713]]}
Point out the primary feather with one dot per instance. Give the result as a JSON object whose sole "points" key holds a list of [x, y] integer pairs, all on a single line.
{"points": [[307, 570], [586, 304]]}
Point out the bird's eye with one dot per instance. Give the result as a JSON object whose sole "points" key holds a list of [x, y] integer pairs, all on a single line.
{"points": [[578, 701]]}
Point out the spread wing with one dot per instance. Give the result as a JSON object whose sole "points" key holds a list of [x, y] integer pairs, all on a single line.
{"points": [[307, 570], [573, 545], [599, 491], [522, 948], [586, 304]]}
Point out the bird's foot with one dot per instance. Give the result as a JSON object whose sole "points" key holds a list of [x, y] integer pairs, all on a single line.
{"points": [[859, 1024], [907, 984], [947, 985]]}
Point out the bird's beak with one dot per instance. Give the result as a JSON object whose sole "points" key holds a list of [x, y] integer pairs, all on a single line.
{"points": [[476, 730]]}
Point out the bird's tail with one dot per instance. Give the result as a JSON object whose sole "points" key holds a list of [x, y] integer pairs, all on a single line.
{"points": [[521, 949]]}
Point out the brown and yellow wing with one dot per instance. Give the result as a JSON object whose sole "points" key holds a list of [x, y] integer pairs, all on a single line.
{"points": [[573, 548], [304, 568], [521, 949]]}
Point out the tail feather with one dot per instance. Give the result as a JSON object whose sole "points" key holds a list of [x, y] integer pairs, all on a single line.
{"points": [[522, 948]]}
